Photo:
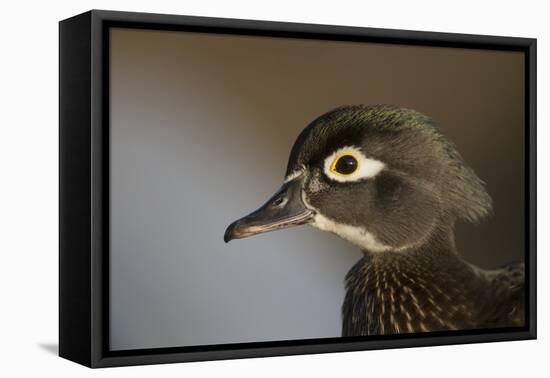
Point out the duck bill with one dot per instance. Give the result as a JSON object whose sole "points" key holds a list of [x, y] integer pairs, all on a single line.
{"points": [[284, 209]]}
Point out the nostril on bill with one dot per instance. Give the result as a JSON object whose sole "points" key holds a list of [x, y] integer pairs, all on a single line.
{"points": [[279, 201]]}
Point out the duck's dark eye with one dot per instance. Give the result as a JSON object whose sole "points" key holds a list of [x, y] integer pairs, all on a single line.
{"points": [[344, 165]]}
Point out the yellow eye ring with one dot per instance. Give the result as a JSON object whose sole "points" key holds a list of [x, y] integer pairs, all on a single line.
{"points": [[345, 164]]}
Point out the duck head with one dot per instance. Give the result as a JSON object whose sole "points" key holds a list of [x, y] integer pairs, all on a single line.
{"points": [[381, 177]]}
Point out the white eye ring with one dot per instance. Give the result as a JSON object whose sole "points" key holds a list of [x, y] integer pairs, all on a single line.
{"points": [[366, 167]]}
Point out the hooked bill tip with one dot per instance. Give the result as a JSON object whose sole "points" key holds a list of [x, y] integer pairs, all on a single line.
{"points": [[227, 235]]}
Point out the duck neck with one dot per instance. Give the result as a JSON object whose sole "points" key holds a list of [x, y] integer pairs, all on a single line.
{"points": [[416, 290]]}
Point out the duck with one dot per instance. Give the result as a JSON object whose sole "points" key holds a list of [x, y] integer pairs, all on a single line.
{"points": [[386, 179]]}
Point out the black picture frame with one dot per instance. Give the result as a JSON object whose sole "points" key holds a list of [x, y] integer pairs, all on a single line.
{"points": [[84, 184]]}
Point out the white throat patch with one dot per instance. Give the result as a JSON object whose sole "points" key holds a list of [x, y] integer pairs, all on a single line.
{"points": [[357, 235]]}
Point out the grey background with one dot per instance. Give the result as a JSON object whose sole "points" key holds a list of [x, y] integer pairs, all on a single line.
{"points": [[201, 128]]}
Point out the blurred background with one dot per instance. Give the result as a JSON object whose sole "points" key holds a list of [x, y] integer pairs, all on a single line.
{"points": [[201, 129]]}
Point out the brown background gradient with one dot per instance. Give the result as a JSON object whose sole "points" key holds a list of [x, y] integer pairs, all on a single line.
{"points": [[201, 129]]}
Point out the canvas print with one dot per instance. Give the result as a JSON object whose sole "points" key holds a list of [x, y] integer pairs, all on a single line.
{"points": [[401, 201]]}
